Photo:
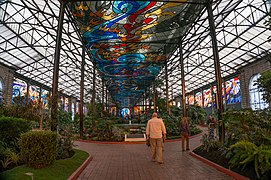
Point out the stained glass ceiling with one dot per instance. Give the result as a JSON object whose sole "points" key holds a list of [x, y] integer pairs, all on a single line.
{"points": [[130, 41]]}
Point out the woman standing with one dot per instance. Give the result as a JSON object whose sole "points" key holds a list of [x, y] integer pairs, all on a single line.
{"points": [[185, 132]]}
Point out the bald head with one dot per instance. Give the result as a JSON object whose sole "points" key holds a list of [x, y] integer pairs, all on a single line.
{"points": [[154, 115]]}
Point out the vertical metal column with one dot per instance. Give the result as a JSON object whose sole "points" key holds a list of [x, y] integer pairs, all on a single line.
{"points": [[225, 96], [212, 94], [54, 110], [93, 88], [103, 94], [27, 92], [183, 80], [154, 97], [82, 92], [202, 98], [63, 102], [143, 103], [70, 104], [217, 71], [106, 99], [150, 101], [166, 74]]}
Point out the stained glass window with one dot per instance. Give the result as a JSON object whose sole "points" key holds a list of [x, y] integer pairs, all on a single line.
{"points": [[34, 93], [198, 98], [72, 110], [66, 104], [233, 91], [44, 98], [256, 97], [191, 100], [19, 89], [207, 98]]}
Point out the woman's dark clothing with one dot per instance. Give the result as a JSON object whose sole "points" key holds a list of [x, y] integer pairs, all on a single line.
{"points": [[185, 128]]}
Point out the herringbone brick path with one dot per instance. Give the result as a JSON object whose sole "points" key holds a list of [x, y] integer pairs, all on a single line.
{"points": [[133, 162]]}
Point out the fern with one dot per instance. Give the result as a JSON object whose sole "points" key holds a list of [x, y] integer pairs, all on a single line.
{"points": [[245, 153]]}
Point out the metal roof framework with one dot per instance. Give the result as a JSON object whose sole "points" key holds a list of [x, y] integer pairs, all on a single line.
{"points": [[28, 39], [27, 44]]}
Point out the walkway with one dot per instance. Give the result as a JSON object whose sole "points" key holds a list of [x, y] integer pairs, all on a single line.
{"points": [[132, 162]]}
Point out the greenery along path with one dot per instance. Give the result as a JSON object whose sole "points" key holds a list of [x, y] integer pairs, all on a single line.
{"points": [[60, 170], [132, 161]]}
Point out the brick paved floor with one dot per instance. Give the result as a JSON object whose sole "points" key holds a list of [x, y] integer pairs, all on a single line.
{"points": [[133, 162]]}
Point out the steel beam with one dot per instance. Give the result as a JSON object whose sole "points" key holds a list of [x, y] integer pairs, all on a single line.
{"points": [[54, 110], [217, 71], [183, 79], [82, 92]]}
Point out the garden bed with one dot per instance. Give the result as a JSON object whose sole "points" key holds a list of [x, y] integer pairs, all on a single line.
{"points": [[215, 156], [60, 169]]}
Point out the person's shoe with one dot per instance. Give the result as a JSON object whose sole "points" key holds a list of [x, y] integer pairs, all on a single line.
{"points": [[187, 149], [161, 162], [183, 150], [153, 160]]}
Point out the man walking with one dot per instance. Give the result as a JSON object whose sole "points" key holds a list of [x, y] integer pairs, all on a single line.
{"points": [[155, 131]]}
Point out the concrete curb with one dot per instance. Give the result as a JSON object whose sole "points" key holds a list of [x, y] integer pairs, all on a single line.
{"points": [[218, 167], [79, 170]]}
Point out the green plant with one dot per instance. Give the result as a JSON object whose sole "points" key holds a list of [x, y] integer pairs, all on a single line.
{"points": [[264, 83], [5, 162], [30, 111], [196, 113], [172, 125], [8, 156], [60, 169], [38, 148], [194, 129], [245, 153], [118, 133], [11, 129], [64, 119], [248, 125], [209, 143], [161, 104], [64, 145]]}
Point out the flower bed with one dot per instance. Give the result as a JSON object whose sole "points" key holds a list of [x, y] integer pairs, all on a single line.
{"points": [[217, 157]]}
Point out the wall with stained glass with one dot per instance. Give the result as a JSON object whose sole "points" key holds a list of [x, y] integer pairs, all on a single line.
{"points": [[191, 99], [77, 107], [44, 98], [66, 105], [233, 91], [198, 98], [34, 93], [19, 88], [207, 94]]}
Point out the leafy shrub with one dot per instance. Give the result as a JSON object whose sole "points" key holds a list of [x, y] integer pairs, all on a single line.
{"points": [[209, 143], [118, 133], [245, 153], [249, 126], [11, 129], [194, 129], [38, 148], [8, 157], [196, 113], [64, 119], [20, 110], [172, 125], [64, 145]]}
